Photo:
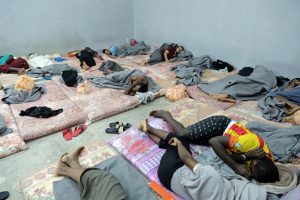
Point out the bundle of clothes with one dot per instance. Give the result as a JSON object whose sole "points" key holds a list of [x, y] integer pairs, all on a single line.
{"points": [[10, 64]]}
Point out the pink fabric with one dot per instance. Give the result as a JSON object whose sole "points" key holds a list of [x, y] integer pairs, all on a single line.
{"points": [[197, 94], [31, 128], [140, 150], [100, 103], [12, 142]]}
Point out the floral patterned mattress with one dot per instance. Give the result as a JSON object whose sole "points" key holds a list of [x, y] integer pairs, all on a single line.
{"points": [[199, 95], [141, 151], [189, 111], [8, 79], [12, 142], [39, 186], [31, 128], [99, 103]]}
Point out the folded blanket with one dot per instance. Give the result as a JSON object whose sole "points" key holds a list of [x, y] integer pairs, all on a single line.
{"points": [[190, 73], [289, 145], [49, 70], [15, 97], [119, 80], [67, 189], [252, 87], [110, 65], [182, 56]]}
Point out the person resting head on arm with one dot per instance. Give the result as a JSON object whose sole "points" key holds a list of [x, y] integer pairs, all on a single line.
{"points": [[241, 149]]}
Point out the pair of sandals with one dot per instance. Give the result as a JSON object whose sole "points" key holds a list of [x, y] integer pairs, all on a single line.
{"points": [[117, 127], [69, 134]]}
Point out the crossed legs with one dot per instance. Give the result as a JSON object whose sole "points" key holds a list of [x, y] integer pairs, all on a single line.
{"points": [[69, 165], [179, 129]]}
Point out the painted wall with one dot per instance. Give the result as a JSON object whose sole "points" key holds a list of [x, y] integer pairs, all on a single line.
{"points": [[44, 26], [245, 33]]}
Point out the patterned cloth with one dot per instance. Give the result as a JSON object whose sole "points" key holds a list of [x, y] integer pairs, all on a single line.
{"points": [[202, 131]]}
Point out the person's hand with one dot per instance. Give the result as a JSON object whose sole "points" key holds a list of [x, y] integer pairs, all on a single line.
{"points": [[242, 170], [174, 142], [257, 153]]}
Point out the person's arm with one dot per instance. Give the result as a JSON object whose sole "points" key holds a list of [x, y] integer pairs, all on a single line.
{"points": [[219, 145], [184, 155], [130, 88], [166, 52]]}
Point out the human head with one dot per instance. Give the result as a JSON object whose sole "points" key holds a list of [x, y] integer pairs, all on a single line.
{"points": [[264, 170], [106, 51], [179, 48]]}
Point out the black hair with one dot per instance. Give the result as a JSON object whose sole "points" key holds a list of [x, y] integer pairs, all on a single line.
{"points": [[181, 47], [265, 171], [103, 50]]}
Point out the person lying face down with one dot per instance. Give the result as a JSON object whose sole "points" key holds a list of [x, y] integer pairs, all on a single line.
{"points": [[241, 149], [95, 183], [86, 58], [181, 173], [136, 84]]}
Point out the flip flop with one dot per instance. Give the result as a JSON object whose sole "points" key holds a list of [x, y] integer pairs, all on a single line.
{"points": [[115, 130], [114, 124], [126, 126], [78, 130], [67, 134], [4, 195]]}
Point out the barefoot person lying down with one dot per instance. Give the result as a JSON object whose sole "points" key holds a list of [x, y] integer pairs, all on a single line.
{"points": [[180, 172], [95, 183], [241, 149]]}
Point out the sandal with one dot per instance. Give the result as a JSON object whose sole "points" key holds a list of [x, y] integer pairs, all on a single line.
{"points": [[78, 130], [126, 126], [4, 195], [114, 124], [115, 130], [67, 134]]}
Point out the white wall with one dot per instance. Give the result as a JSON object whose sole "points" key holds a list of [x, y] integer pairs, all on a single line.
{"points": [[243, 32], [44, 26]]}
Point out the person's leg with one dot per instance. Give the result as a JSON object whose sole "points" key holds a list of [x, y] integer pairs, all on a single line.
{"points": [[63, 169], [72, 159], [179, 129], [19, 71], [157, 132], [202, 131]]}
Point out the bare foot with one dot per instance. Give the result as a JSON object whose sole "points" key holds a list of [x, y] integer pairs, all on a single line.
{"points": [[61, 168], [72, 158], [85, 66], [143, 126], [21, 71], [160, 114]]}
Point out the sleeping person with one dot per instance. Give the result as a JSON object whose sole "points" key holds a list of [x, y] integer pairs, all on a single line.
{"points": [[241, 149], [181, 173], [86, 58], [164, 54], [9, 64]]}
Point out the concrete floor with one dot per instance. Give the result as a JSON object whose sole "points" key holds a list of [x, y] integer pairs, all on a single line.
{"points": [[46, 150]]}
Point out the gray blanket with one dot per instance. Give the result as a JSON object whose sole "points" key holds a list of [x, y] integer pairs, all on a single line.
{"points": [[119, 80], [49, 70], [15, 97], [110, 66], [191, 72], [134, 184], [252, 87], [272, 108], [182, 56], [284, 143], [126, 50], [3, 129]]}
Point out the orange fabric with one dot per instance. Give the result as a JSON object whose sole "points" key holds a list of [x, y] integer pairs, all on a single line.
{"points": [[161, 191], [242, 140]]}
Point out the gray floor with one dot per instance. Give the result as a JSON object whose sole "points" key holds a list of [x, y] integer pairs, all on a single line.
{"points": [[46, 150]]}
